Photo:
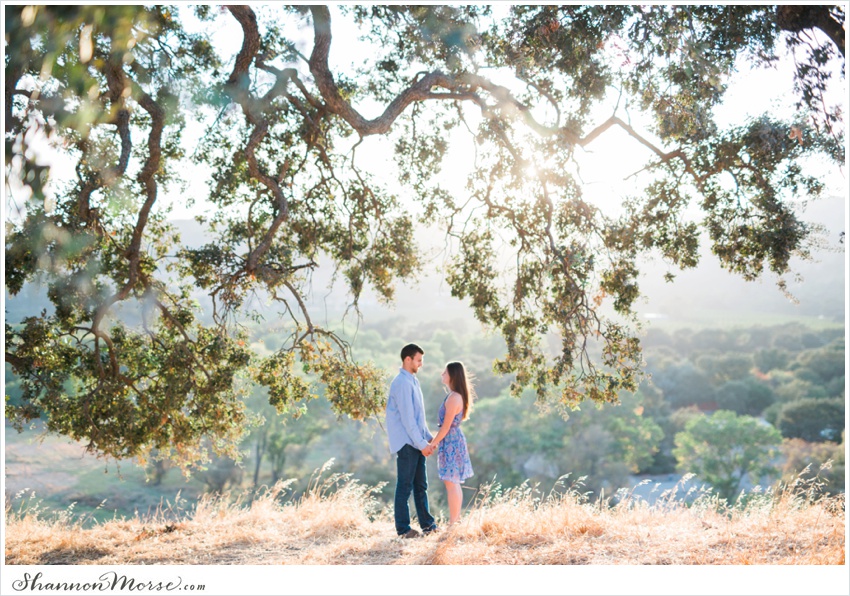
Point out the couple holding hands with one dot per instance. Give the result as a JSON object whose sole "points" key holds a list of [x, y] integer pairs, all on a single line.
{"points": [[412, 442]]}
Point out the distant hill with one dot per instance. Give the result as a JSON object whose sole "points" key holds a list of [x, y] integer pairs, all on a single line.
{"points": [[709, 289], [699, 295]]}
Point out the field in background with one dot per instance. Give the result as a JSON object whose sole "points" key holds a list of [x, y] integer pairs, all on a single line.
{"points": [[57, 474]]}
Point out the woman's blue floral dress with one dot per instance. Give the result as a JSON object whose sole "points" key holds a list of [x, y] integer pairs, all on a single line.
{"points": [[452, 456]]}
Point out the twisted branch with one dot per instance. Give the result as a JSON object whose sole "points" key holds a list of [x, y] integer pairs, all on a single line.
{"points": [[237, 85], [463, 87]]}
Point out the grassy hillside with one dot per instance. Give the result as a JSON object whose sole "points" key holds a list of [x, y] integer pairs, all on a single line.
{"points": [[340, 522], [55, 473]]}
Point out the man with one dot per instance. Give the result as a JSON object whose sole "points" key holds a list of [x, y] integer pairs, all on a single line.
{"points": [[409, 436]]}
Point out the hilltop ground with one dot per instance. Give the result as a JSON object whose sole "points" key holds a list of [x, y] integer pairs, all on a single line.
{"points": [[339, 522]]}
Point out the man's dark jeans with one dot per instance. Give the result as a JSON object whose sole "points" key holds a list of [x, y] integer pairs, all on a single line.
{"points": [[411, 477]]}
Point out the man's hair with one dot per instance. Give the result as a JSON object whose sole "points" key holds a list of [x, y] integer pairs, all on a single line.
{"points": [[410, 351]]}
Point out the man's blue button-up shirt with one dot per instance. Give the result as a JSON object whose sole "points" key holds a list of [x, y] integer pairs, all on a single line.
{"points": [[406, 413]]}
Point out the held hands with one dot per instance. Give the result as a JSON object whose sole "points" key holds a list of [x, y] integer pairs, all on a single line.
{"points": [[429, 449]]}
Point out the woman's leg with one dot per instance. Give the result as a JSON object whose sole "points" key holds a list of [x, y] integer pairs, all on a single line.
{"points": [[455, 494]]}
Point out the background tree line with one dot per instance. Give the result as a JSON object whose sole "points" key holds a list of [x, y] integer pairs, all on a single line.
{"points": [[775, 391]]}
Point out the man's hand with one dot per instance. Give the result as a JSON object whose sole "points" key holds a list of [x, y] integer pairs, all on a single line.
{"points": [[428, 450]]}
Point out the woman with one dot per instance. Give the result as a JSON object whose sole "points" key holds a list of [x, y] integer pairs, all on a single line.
{"points": [[453, 462]]}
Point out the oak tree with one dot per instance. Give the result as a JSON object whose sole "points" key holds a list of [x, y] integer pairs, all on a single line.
{"points": [[723, 449], [116, 87]]}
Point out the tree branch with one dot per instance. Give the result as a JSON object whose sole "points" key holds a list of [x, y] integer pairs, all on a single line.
{"points": [[462, 88], [15, 361], [250, 46], [14, 72], [418, 91], [254, 110], [797, 18], [116, 82], [148, 178]]}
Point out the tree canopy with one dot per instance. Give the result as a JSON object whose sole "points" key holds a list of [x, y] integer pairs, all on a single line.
{"points": [[115, 88]]}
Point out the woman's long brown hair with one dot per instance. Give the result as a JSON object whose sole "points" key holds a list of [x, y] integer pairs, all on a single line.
{"points": [[462, 383]]}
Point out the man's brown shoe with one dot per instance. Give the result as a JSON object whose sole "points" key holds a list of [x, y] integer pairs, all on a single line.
{"points": [[411, 533]]}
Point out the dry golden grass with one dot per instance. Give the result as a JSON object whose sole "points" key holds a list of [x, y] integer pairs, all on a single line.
{"points": [[340, 522]]}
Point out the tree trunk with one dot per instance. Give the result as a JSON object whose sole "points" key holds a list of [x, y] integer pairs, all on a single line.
{"points": [[261, 450]]}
